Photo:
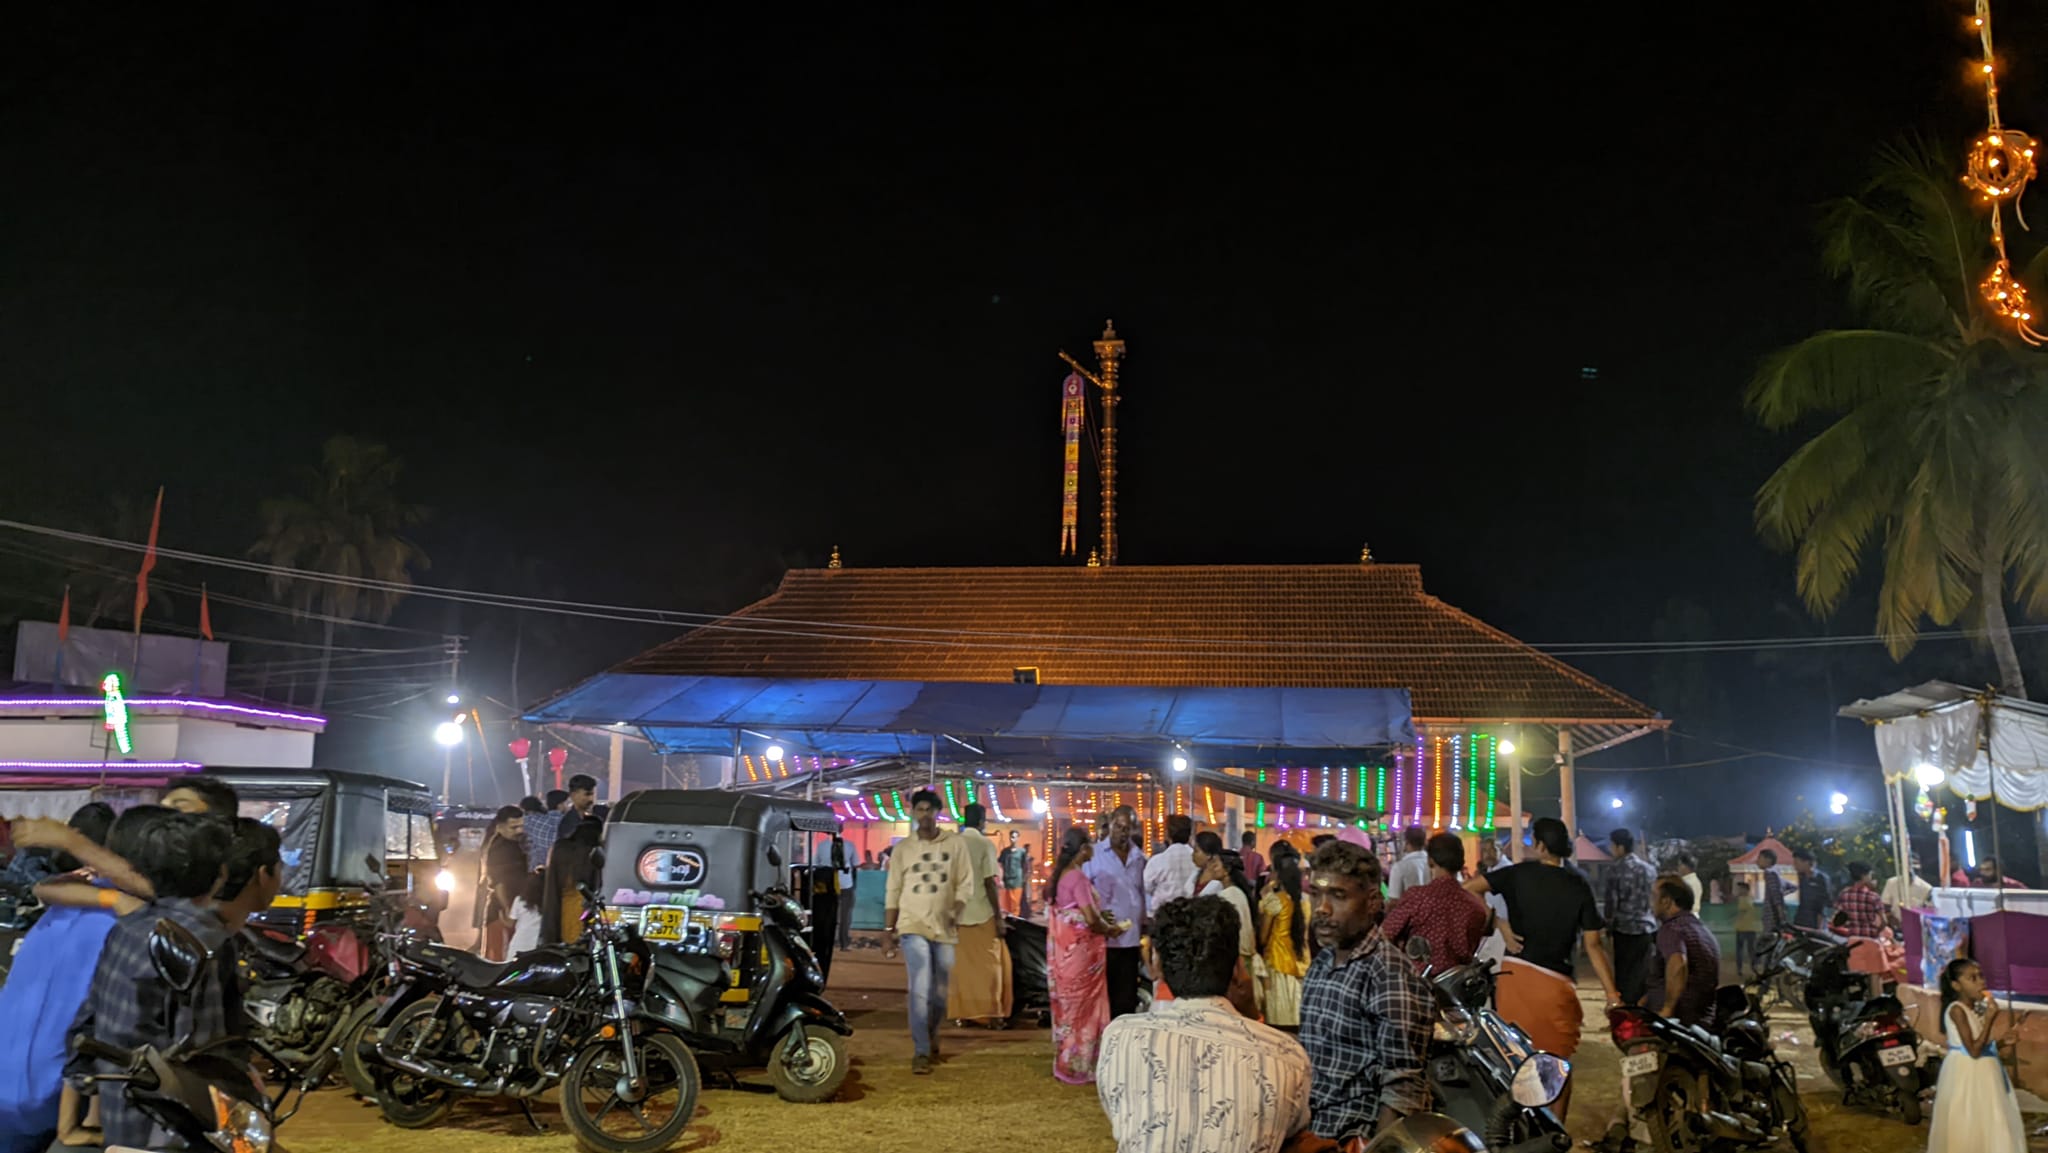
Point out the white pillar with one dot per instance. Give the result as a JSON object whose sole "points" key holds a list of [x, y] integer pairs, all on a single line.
{"points": [[1567, 797], [618, 768]]}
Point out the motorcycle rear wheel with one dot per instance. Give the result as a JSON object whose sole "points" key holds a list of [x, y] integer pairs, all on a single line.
{"points": [[408, 1101], [820, 1080], [1667, 1115], [666, 1063]]}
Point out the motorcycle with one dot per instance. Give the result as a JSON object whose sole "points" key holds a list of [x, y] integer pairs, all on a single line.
{"points": [[1866, 1044], [787, 1025], [1691, 1086], [208, 1100], [306, 996], [1481, 1067], [456, 1025], [1790, 953]]}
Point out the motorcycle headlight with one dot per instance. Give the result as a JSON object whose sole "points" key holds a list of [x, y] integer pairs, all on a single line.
{"points": [[239, 1127]]}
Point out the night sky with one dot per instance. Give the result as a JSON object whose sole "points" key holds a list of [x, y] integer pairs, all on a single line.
{"points": [[654, 306]]}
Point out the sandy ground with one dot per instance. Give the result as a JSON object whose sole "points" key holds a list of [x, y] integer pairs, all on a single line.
{"points": [[991, 1083]]}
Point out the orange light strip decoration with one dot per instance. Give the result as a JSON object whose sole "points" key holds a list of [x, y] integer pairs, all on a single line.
{"points": [[2000, 164], [1209, 802]]}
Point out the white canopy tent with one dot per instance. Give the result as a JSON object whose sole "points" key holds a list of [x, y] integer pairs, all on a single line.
{"points": [[1982, 746]]}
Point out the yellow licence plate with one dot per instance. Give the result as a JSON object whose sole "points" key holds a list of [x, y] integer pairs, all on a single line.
{"points": [[663, 924]]}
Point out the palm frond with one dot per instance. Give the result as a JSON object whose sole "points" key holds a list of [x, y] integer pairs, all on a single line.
{"points": [[1836, 370]]}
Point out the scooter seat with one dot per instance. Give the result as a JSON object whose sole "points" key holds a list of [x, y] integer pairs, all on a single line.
{"points": [[698, 967], [270, 949]]}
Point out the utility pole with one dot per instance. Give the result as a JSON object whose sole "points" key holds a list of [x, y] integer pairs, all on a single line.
{"points": [[454, 644]]}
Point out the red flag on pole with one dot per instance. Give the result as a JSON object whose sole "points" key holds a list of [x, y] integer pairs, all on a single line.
{"points": [[156, 520], [64, 618], [205, 616]]}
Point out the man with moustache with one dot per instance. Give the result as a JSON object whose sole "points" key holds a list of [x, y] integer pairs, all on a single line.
{"points": [[1366, 1014]]}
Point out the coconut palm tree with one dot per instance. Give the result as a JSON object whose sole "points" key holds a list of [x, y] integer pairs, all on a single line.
{"points": [[1935, 453], [348, 523]]}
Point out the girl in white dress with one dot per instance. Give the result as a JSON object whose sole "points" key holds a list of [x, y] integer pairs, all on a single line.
{"points": [[1974, 1107]]}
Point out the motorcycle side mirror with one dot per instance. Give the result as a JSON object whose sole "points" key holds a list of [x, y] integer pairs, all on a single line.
{"points": [[1418, 950], [1539, 1080], [774, 856], [597, 857], [180, 958]]}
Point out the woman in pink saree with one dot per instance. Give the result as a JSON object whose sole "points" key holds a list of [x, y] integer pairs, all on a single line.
{"points": [[1076, 944]]}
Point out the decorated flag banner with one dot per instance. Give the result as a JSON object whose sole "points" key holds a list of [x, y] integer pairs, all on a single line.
{"points": [[1072, 397]]}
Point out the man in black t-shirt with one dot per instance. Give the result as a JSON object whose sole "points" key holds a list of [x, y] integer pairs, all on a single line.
{"points": [[1550, 910]]}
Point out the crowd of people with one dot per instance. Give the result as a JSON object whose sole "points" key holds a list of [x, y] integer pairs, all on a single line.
{"points": [[85, 967], [535, 856], [1289, 991]]}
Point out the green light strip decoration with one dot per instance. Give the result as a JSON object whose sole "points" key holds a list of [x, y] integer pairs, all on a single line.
{"points": [[116, 708], [952, 802], [1261, 819], [970, 792], [1379, 789], [881, 806], [897, 796]]}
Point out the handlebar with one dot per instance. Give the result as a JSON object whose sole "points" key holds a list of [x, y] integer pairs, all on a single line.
{"points": [[101, 1051]]}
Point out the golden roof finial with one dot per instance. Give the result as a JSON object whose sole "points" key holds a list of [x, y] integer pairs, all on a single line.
{"points": [[1094, 558], [834, 562], [1365, 554]]}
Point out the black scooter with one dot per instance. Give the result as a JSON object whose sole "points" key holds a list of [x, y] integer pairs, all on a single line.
{"points": [[788, 1026], [1866, 1044], [1693, 1087], [1484, 1071]]}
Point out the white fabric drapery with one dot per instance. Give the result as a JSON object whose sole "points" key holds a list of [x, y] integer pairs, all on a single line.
{"points": [[2013, 765], [56, 805]]}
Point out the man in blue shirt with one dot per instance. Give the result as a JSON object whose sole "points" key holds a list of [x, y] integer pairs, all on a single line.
{"points": [[1118, 873]]}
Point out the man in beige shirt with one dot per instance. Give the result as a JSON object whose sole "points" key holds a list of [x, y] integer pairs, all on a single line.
{"points": [[931, 879]]}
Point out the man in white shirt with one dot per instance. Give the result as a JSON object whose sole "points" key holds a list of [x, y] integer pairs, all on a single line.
{"points": [[1193, 1073], [931, 878], [1170, 874], [1909, 892], [1412, 870]]}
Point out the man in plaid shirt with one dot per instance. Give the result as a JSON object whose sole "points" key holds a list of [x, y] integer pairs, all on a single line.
{"points": [[184, 860], [1776, 919], [1631, 925], [1366, 1014], [1860, 904]]}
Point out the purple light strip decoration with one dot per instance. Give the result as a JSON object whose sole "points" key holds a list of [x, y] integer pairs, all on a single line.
{"points": [[1394, 771], [175, 704], [101, 766]]}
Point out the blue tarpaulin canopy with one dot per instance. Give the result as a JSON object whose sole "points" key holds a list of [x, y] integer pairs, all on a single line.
{"points": [[1054, 724]]}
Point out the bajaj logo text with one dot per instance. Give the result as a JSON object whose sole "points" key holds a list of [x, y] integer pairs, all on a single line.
{"points": [[682, 868]]}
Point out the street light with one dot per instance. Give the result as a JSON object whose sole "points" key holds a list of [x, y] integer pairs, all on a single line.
{"points": [[1838, 803], [1614, 802], [774, 752], [454, 698], [1928, 776], [1040, 806], [1507, 748], [448, 734], [1180, 764]]}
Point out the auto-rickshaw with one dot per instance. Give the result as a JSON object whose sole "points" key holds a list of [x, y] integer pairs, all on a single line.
{"points": [[334, 825], [675, 858]]}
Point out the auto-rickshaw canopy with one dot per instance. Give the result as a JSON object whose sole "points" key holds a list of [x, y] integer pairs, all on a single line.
{"points": [[706, 847]]}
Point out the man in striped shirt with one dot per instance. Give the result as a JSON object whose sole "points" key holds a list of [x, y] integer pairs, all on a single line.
{"points": [[1858, 907], [1193, 1073]]}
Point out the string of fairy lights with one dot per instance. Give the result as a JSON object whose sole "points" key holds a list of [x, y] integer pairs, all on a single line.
{"points": [[1446, 782], [1999, 165]]}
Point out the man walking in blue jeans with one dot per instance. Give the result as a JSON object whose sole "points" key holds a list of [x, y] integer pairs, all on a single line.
{"points": [[930, 880]]}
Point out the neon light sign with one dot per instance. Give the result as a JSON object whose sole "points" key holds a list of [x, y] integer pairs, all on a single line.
{"points": [[116, 710]]}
